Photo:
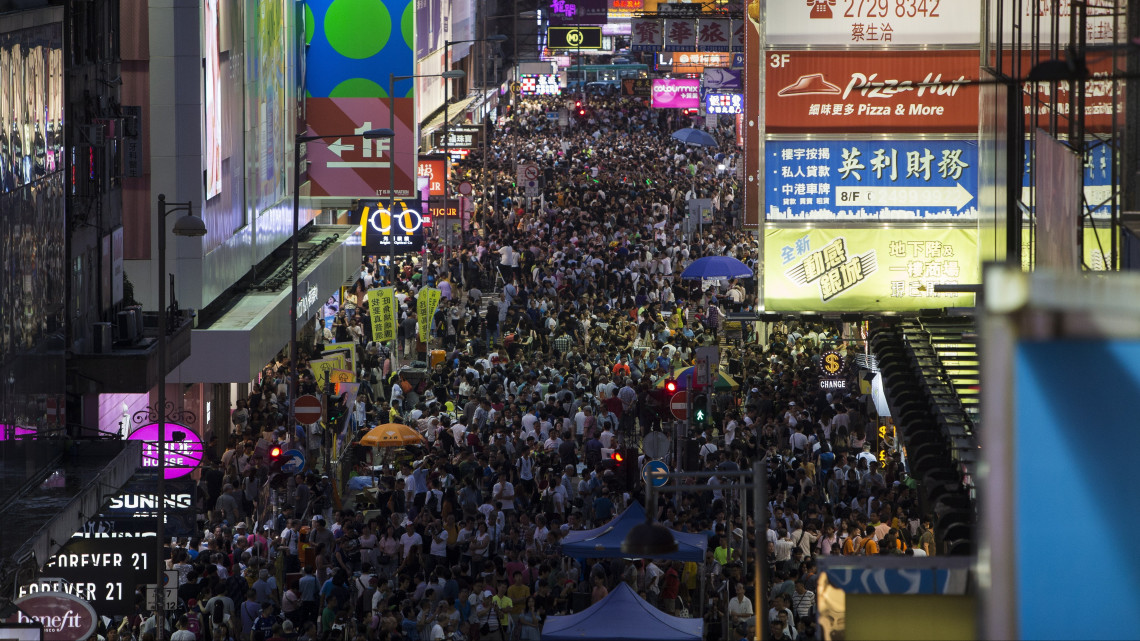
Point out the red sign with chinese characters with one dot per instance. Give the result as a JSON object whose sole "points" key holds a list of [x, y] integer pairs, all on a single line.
{"points": [[872, 91], [432, 168]]}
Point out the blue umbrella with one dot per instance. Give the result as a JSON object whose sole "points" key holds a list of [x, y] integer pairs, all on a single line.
{"points": [[691, 136], [716, 268]]}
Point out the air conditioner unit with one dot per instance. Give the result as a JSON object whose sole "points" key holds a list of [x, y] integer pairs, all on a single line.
{"points": [[102, 339]]}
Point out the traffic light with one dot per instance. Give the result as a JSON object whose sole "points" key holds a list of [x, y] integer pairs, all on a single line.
{"points": [[625, 466], [276, 460], [700, 410], [670, 386]]}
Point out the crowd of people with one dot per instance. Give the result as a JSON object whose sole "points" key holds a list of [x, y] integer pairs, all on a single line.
{"points": [[561, 317]]}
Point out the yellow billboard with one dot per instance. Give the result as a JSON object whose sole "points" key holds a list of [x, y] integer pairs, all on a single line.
{"points": [[872, 270]]}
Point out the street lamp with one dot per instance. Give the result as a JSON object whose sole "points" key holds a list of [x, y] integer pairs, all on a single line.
{"points": [[653, 540], [392, 78], [447, 123], [294, 383], [192, 227]]}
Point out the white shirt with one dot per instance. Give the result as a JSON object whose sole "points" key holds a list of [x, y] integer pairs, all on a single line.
{"points": [[409, 541], [506, 493], [439, 544]]}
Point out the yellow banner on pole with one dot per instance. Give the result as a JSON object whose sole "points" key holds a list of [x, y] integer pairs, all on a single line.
{"points": [[426, 303], [325, 366], [341, 376], [382, 310]]}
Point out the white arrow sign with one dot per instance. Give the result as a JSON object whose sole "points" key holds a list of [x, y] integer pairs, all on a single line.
{"points": [[338, 148], [956, 196]]}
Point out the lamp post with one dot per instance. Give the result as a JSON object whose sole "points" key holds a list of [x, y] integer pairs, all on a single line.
{"points": [[193, 227], [447, 123], [392, 78], [294, 383], [651, 540]]}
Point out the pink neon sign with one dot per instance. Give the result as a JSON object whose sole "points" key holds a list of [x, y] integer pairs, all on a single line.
{"points": [[181, 457]]}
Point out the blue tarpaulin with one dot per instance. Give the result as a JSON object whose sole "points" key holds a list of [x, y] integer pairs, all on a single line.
{"points": [[621, 616], [605, 541]]}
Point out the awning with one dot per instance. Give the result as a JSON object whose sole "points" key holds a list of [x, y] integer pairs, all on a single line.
{"points": [[255, 328], [455, 111]]}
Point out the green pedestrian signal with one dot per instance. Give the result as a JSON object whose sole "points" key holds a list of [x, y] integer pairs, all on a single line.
{"points": [[701, 409]]}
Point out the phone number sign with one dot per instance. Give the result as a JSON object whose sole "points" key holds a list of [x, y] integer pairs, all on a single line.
{"points": [[873, 23], [873, 180]]}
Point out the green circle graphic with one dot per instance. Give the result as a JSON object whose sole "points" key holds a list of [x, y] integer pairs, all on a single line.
{"points": [[407, 25], [358, 88], [358, 29], [310, 25]]}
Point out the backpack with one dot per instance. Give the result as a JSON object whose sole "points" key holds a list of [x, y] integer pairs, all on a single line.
{"points": [[194, 622], [236, 587]]}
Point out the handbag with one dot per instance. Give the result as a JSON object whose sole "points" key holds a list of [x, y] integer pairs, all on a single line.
{"points": [[683, 611]]}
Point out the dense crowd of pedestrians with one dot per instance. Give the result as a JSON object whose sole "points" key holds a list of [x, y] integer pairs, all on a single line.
{"points": [[561, 317]]}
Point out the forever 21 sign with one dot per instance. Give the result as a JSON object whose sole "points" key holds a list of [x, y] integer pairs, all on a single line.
{"points": [[63, 616]]}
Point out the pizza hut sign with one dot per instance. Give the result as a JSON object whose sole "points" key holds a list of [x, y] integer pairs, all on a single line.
{"points": [[63, 616]]}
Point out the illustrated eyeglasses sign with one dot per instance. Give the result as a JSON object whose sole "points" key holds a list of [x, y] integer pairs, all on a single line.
{"points": [[380, 228]]}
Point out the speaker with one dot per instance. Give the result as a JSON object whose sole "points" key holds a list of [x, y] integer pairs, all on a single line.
{"points": [[103, 337], [127, 326]]}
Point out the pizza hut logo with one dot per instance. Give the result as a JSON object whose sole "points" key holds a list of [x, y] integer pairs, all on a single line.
{"points": [[810, 84], [821, 9]]}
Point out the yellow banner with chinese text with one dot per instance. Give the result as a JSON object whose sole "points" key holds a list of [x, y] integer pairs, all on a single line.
{"points": [[855, 270], [382, 310], [426, 303]]}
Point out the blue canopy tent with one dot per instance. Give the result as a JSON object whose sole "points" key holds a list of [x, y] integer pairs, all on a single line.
{"points": [[621, 616], [605, 541]]}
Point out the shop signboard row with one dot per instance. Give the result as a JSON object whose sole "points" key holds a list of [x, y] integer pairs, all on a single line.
{"points": [[687, 34], [871, 180], [851, 270]]}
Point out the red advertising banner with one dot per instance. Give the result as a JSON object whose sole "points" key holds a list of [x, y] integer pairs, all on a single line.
{"points": [[871, 91], [432, 167], [345, 164]]}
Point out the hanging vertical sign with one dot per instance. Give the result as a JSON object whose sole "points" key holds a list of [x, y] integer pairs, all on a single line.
{"points": [[646, 34], [680, 35], [382, 311], [426, 303]]}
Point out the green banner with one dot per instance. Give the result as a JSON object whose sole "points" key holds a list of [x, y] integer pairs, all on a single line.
{"points": [[382, 310], [426, 303], [852, 270]]}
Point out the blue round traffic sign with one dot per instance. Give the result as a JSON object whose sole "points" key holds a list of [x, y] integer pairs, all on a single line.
{"points": [[294, 461], [654, 472]]}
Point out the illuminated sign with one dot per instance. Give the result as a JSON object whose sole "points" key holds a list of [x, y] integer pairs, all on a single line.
{"points": [[574, 37], [672, 93], [848, 270], [382, 233], [868, 23], [432, 168], [724, 103], [577, 12], [458, 137], [872, 180], [64, 617], [541, 84], [182, 456], [871, 91]]}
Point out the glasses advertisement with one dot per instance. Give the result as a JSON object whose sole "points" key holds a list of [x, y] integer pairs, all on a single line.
{"points": [[872, 180], [381, 232], [674, 93], [852, 270], [871, 23], [351, 52], [871, 91]]}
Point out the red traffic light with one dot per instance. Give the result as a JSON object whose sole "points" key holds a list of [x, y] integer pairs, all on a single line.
{"points": [[581, 112], [616, 456], [671, 386], [578, 104], [274, 452]]}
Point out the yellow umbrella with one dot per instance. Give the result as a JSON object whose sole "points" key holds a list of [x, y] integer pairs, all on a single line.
{"points": [[391, 435]]}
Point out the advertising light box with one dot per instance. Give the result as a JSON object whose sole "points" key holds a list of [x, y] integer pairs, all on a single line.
{"points": [[871, 91], [675, 93], [539, 84], [872, 180], [724, 103], [872, 23], [852, 270]]}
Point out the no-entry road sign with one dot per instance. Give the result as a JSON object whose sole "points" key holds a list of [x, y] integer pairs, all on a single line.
{"points": [[679, 405], [307, 409]]}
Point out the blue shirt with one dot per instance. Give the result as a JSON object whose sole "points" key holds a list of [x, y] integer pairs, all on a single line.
{"points": [[308, 586]]}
